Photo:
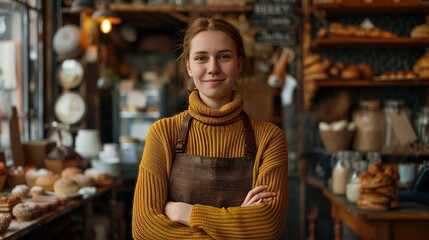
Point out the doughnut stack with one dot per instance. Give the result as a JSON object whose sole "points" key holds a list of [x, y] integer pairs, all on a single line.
{"points": [[378, 188]]}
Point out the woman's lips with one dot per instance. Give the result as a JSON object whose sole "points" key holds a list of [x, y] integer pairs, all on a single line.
{"points": [[213, 81]]}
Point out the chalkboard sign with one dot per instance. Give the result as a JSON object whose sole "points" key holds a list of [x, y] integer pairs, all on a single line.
{"points": [[275, 22], [273, 8], [279, 20], [276, 38]]}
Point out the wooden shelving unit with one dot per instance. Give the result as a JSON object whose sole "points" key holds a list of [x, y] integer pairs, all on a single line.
{"points": [[375, 7], [335, 42]]}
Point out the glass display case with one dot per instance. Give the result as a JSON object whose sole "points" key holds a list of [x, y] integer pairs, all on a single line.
{"points": [[139, 108]]}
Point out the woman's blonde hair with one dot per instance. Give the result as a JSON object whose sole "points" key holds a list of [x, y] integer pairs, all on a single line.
{"points": [[211, 24]]}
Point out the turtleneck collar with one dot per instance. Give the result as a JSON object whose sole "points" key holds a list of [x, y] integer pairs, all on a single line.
{"points": [[228, 113]]}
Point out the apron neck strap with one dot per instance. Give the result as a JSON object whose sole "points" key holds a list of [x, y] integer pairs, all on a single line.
{"points": [[249, 139], [183, 134]]}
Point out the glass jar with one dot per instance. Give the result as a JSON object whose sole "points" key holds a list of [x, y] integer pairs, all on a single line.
{"points": [[373, 157], [369, 121], [341, 172], [391, 107], [352, 189], [422, 125]]}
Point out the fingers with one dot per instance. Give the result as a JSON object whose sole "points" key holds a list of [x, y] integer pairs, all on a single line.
{"points": [[257, 196], [254, 191]]}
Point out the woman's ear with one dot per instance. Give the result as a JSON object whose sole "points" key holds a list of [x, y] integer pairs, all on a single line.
{"points": [[240, 65], [188, 68]]}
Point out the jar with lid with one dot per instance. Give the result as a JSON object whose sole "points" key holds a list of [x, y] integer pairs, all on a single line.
{"points": [[352, 189], [391, 107], [341, 172], [422, 125], [369, 121]]}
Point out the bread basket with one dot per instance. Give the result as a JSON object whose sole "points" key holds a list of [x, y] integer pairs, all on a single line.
{"points": [[336, 140]]}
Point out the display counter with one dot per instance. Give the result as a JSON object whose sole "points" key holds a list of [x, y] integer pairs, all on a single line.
{"points": [[409, 221], [30, 229]]}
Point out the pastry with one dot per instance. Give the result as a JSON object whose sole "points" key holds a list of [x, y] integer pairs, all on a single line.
{"points": [[351, 72], [366, 70], [70, 172], [387, 191], [65, 186], [420, 31], [36, 190], [26, 211], [317, 67], [375, 198], [96, 175], [311, 59], [47, 182], [21, 191], [424, 73], [82, 180], [365, 204], [5, 221]]}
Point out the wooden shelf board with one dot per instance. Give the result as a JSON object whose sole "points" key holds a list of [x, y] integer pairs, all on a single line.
{"points": [[167, 8], [375, 7], [372, 83], [370, 42]]}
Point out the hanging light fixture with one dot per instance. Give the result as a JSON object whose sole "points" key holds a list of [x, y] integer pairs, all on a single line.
{"points": [[106, 18]]}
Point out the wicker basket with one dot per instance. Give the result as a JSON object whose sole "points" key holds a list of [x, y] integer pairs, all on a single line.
{"points": [[336, 140]]}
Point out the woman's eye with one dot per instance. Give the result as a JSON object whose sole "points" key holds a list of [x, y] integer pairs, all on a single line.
{"points": [[200, 58], [224, 57]]}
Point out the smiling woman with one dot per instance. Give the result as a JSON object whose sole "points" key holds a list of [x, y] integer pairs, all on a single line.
{"points": [[212, 171]]}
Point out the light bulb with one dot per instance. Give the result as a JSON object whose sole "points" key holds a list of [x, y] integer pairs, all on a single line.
{"points": [[106, 26]]}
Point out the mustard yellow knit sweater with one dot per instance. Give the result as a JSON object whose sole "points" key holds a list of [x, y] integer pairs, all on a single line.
{"points": [[213, 133]]}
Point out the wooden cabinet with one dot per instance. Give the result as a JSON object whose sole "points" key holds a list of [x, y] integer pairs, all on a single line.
{"points": [[386, 54]]}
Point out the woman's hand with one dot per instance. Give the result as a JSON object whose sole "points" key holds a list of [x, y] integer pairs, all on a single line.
{"points": [[178, 212], [257, 196]]}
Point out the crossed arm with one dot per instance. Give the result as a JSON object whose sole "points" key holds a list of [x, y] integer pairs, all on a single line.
{"points": [[181, 212]]}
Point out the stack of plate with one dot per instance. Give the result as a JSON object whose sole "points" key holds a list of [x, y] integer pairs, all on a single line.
{"points": [[110, 166]]}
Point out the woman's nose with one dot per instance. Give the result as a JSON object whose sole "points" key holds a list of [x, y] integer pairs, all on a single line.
{"points": [[213, 67]]}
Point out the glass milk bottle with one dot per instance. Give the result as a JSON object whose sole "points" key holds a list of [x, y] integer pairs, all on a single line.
{"points": [[352, 189], [341, 172]]}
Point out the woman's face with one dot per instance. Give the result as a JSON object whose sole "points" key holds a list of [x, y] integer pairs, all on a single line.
{"points": [[214, 66]]}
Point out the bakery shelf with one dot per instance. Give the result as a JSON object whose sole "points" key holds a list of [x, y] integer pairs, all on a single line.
{"points": [[375, 7], [370, 42], [372, 83]]}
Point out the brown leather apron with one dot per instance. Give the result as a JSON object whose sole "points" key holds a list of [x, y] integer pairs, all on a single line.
{"points": [[218, 182]]}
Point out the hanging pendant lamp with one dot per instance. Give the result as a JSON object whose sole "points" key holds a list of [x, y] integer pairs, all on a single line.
{"points": [[106, 18]]}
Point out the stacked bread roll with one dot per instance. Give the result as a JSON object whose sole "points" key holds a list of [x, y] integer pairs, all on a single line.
{"points": [[378, 188], [316, 67], [421, 67], [420, 31], [337, 29]]}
